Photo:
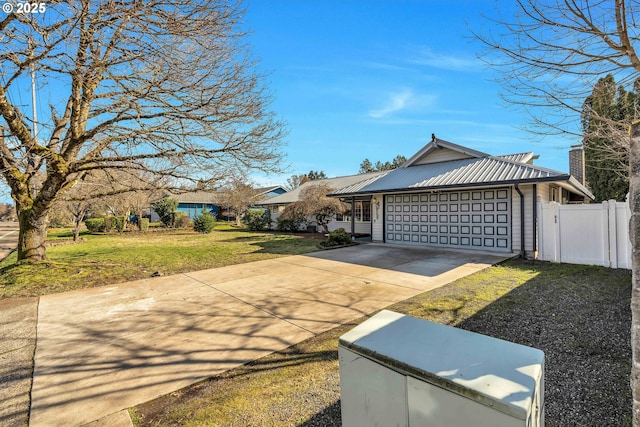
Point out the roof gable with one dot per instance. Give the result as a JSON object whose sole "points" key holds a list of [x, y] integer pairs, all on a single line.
{"points": [[439, 150]]}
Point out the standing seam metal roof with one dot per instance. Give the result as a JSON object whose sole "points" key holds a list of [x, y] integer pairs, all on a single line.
{"points": [[458, 173]]}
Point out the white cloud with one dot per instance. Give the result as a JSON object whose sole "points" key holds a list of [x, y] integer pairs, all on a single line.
{"points": [[395, 102], [447, 61]]}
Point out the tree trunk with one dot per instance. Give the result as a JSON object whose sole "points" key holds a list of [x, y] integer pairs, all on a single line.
{"points": [[634, 230], [33, 233]]}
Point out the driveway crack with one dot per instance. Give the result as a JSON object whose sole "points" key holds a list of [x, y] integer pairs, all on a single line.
{"points": [[257, 307]]}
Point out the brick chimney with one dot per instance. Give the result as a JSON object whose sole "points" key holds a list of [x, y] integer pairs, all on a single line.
{"points": [[576, 162]]}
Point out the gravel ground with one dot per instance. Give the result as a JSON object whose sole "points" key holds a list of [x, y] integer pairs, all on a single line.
{"points": [[584, 332], [582, 322]]}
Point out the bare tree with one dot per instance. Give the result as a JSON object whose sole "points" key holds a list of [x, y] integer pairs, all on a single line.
{"points": [[314, 202], [168, 88], [550, 55], [7, 211], [119, 192], [237, 197], [295, 181]]}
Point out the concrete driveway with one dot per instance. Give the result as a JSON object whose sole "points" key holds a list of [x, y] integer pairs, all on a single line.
{"points": [[102, 350]]}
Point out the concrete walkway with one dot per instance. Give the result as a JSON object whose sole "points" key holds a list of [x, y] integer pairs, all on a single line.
{"points": [[100, 351]]}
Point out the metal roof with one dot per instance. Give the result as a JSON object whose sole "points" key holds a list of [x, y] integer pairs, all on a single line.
{"points": [[519, 157], [353, 182], [460, 173]]}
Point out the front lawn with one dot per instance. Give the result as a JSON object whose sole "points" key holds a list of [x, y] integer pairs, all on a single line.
{"points": [[118, 257], [578, 315]]}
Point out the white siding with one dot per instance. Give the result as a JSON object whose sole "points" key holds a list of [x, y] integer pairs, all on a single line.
{"points": [[441, 155], [527, 192], [377, 218], [515, 221], [542, 191], [361, 227]]}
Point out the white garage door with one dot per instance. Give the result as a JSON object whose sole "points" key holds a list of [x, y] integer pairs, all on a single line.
{"points": [[479, 219]]}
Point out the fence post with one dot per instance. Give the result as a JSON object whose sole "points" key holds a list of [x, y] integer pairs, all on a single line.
{"points": [[540, 230], [557, 255], [613, 234]]}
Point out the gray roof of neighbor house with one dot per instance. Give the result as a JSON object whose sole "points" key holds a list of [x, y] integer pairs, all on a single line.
{"points": [[351, 181], [196, 197], [471, 168], [211, 197]]}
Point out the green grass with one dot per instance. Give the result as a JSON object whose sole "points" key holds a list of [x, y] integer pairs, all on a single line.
{"points": [[118, 257], [300, 386]]}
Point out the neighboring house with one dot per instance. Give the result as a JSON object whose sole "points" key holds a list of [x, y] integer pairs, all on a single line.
{"points": [[361, 214], [192, 203], [270, 192], [451, 196]]}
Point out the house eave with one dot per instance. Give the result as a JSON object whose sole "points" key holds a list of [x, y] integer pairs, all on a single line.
{"points": [[571, 180]]}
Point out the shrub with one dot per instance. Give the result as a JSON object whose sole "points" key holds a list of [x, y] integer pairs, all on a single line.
{"points": [[95, 225], [181, 220], [204, 223], [292, 218], [257, 219], [338, 237], [144, 224], [120, 223], [109, 223], [284, 224], [166, 208]]}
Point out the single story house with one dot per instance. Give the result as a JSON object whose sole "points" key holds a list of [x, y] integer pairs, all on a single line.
{"points": [[192, 202], [359, 218], [451, 196]]}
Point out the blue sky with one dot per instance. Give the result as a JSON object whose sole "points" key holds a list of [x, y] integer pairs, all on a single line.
{"points": [[359, 79]]}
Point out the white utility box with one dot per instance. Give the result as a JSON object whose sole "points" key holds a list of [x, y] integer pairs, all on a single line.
{"points": [[396, 370]]}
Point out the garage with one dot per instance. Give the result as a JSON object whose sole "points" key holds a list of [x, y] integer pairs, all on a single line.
{"points": [[450, 196], [478, 219]]}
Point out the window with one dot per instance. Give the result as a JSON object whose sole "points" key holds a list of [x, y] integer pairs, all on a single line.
{"points": [[346, 216], [366, 211], [361, 212]]}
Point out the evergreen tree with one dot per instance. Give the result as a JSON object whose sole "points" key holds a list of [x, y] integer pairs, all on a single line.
{"points": [[606, 165], [316, 175], [366, 165]]}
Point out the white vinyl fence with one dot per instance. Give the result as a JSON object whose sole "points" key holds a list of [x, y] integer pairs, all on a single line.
{"points": [[592, 234]]}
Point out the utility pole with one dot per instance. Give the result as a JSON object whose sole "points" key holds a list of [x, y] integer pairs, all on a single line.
{"points": [[634, 231], [33, 108]]}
